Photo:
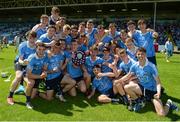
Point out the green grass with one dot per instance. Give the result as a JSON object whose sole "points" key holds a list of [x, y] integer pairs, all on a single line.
{"points": [[79, 108]]}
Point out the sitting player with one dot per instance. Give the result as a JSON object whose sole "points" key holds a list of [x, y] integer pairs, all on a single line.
{"points": [[148, 86], [75, 72], [103, 84]]}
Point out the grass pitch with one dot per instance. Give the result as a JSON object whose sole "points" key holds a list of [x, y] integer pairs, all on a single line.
{"points": [[81, 109]]}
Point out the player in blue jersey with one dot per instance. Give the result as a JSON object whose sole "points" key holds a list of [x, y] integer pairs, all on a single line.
{"points": [[48, 37], [40, 28], [36, 71], [83, 43], [54, 74], [113, 33], [55, 11], [59, 27], [67, 82], [145, 39], [103, 84], [131, 26], [131, 49], [102, 37], [121, 41], [66, 35], [149, 85], [122, 69], [169, 49], [91, 33], [25, 49], [74, 32], [108, 59], [93, 60], [82, 28]]}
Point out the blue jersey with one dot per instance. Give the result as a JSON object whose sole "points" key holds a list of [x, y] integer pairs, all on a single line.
{"points": [[102, 84], [89, 64], [146, 75], [106, 42], [25, 50], [115, 36], [44, 38], [169, 46], [74, 72], [121, 44], [91, 37], [105, 68], [40, 32], [106, 39], [36, 64], [146, 41], [68, 40], [126, 67], [131, 54], [54, 63], [82, 48]]}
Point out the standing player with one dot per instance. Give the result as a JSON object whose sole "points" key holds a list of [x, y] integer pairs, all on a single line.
{"points": [[145, 39], [54, 15], [91, 33], [40, 28], [48, 37], [25, 49], [131, 48], [169, 49], [36, 71]]}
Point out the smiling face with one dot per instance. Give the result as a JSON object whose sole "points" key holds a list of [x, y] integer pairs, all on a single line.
{"points": [[141, 56]]}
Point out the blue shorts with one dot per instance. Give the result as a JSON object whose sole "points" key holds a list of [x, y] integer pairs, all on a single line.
{"points": [[148, 94]]}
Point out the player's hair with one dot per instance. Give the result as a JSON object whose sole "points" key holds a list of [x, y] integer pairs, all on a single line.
{"points": [[32, 34], [55, 9], [82, 23], [122, 51], [141, 21], [141, 49], [74, 27], [100, 26], [40, 44], [130, 22], [112, 24], [90, 21], [123, 31], [97, 66], [51, 26], [66, 26], [129, 40], [44, 16]]}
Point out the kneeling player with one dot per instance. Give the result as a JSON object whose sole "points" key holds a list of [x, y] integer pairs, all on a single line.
{"points": [[54, 74]]}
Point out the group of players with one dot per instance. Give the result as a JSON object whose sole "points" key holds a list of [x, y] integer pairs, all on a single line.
{"points": [[121, 66]]}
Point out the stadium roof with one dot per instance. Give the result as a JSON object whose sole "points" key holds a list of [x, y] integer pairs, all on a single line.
{"points": [[90, 7]]}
